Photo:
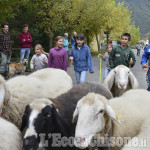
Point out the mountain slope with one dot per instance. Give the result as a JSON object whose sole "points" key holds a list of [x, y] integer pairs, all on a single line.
{"points": [[140, 14]]}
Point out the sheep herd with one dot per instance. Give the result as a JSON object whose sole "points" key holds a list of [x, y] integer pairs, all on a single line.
{"points": [[44, 111]]}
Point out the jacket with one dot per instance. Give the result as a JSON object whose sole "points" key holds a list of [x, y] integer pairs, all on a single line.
{"points": [[5, 43], [58, 58], [28, 40], [120, 56], [66, 44], [82, 58], [146, 56]]}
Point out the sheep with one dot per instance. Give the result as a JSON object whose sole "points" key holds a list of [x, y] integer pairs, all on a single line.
{"points": [[99, 117], [56, 121], [119, 80], [142, 141], [21, 90], [10, 136]]}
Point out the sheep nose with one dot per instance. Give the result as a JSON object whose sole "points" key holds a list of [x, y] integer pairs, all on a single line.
{"points": [[122, 86], [80, 140]]}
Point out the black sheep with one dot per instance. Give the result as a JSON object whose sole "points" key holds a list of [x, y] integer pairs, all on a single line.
{"points": [[49, 120]]}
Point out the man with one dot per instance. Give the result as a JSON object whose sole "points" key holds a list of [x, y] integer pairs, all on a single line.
{"points": [[25, 43], [139, 47], [5, 50], [73, 39]]}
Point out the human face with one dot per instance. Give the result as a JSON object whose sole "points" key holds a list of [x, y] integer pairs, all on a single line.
{"points": [[37, 51], [109, 48], [25, 29], [124, 41], [79, 42], [59, 43], [74, 34], [6, 28]]}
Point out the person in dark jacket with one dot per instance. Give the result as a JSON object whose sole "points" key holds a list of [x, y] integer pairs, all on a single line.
{"points": [[25, 39], [122, 54], [5, 50], [81, 56], [73, 39]]}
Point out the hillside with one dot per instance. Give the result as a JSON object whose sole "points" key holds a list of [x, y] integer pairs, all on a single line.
{"points": [[140, 14]]}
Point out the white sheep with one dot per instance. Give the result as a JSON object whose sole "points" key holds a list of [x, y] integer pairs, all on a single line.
{"points": [[142, 141], [21, 90], [10, 136], [119, 80], [98, 117]]}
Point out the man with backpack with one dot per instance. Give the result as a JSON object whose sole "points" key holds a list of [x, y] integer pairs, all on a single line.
{"points": [[139, 47]]}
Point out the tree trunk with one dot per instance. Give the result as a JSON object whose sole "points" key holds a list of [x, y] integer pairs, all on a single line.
{"points": [[50, 41], [98, 43], [88, 41], [107, 34]]}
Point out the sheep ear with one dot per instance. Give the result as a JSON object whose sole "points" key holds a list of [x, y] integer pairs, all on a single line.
{"points": [[133, 81], [75, 114], [109, 81], [60, 122], [24, 118], [111, 113]]}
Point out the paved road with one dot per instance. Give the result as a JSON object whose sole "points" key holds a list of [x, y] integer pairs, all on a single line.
{"points": [[137, 71]]}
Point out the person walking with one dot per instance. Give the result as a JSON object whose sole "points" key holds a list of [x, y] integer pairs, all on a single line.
{"points": [[5, 50], [81, 56], [73, 39], [138, 47], [58, 57], [122, 54], [25, 39], [145, 59], [39, 60]]}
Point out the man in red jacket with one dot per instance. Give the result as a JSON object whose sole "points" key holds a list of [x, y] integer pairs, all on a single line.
{"points": [[25, 43]]}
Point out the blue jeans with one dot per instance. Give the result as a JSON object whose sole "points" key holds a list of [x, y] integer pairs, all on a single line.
{"points": [[148, 79], [24, 53], [80, 76], [138, 52], [106, 72], [5, 60]]}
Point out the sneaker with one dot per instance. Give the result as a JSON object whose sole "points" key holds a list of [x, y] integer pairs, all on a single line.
{"points": [[28, 70]]}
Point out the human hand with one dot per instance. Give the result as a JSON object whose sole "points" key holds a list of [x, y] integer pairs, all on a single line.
{"points": [[31, 69], [145, 66], [44, 61]]}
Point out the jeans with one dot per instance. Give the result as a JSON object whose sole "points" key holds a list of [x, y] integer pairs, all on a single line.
{"points": [[80, 76], [106, 72], [24, 53], [5, 60], [138, 52], [148, 79]]}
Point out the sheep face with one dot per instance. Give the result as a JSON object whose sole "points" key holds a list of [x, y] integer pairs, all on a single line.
{"points": [[91, 111], [121, 77], [40, 118]]}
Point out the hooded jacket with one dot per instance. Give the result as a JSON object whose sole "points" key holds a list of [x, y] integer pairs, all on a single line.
{"points": [[58, 58]]}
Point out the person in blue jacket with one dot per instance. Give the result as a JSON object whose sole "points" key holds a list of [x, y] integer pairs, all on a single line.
{"points": [[81, 56], [145, 59]]}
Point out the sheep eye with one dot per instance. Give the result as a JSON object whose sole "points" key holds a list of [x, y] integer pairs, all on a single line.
{"points": [[128, 71], [115, 71], [101, 111]]}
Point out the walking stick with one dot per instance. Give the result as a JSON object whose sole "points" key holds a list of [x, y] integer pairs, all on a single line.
{"points": [[71, 67], [130, 63], [100, 67]]}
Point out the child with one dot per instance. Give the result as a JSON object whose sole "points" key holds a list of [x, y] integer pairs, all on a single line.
{"points": [[81, 56], [122, 54], [105, 57], [58, 57], [39, 60], [145, 58]]}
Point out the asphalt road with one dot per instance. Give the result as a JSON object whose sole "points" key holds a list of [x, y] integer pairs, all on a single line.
{"points": [[137, 71]]}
